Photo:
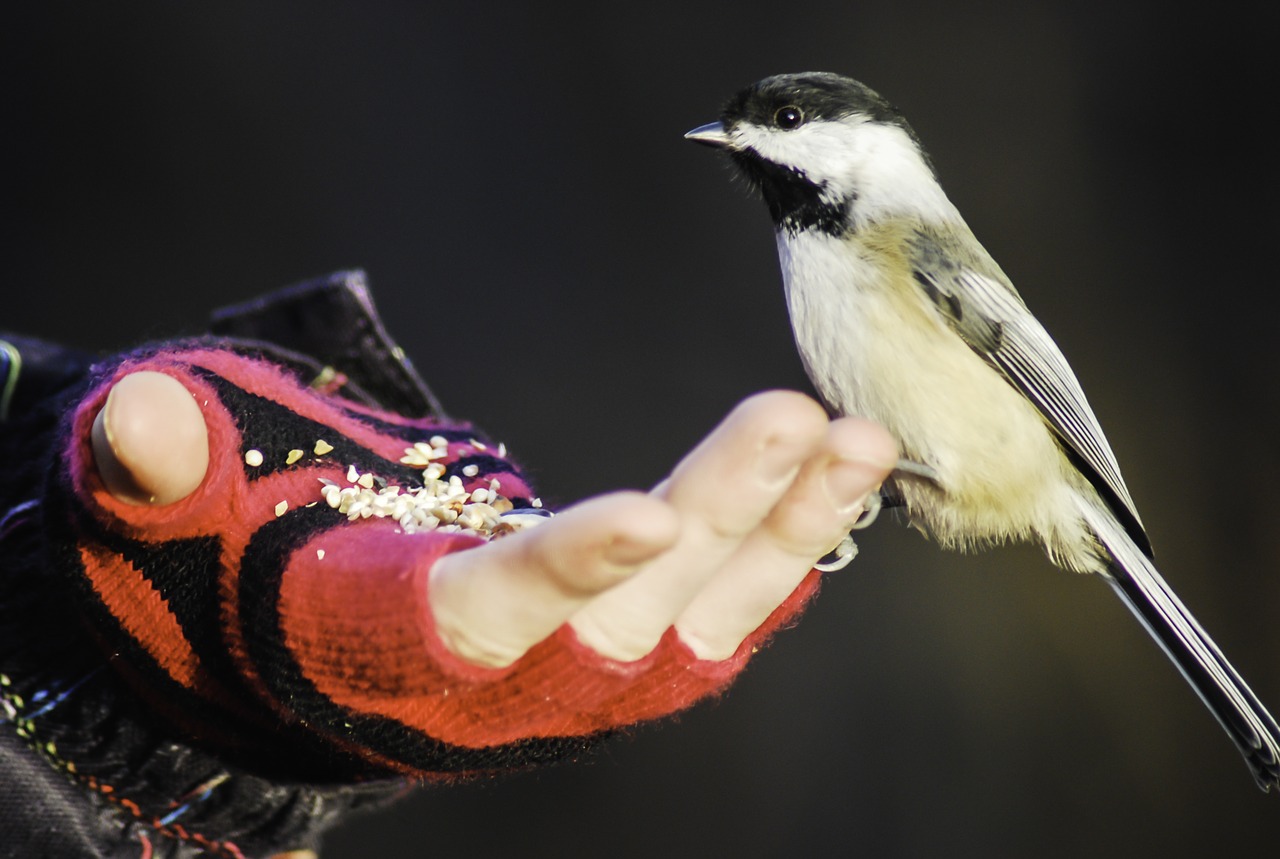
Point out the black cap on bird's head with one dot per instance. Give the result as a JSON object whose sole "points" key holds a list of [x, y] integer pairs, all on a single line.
{"points": [[804, 140], [813, 95], [785, 102]]}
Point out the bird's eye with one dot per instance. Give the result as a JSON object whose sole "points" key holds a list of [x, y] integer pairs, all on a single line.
{"points": [[788, 117]]}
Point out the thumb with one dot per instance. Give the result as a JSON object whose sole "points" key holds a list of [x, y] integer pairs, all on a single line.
{"points": [[150, 441]]}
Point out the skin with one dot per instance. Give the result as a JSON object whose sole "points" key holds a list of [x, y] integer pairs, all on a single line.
{"points": [[150, 441], [712, 550]]}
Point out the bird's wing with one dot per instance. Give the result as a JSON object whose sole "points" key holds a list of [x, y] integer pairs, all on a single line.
{"points": [[975, 298]]}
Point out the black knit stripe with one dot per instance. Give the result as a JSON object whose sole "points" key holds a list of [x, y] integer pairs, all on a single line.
{"points": [[196, 713], [489, 465], [185, 572], [485, 464], [407, 432], [274, 430], [261, 573]]}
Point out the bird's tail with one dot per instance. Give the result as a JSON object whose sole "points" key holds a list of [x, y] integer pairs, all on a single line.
{"points": [[1218, 684]]}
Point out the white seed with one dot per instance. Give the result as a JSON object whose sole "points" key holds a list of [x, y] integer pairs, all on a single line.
{"points": [[293, 456], [281, 508], [319, 554], [253, 458], [365, 480], [352, 474], [322, 447], [470, 470]]}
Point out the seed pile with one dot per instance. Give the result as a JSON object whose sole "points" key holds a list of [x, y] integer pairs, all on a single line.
{"points": [[441, 503]]}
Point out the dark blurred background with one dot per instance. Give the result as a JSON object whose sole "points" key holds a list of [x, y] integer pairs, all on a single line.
{"points": [[570, 274]]}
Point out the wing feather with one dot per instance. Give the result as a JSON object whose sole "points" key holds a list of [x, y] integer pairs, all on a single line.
{"points": [[982, 307]]}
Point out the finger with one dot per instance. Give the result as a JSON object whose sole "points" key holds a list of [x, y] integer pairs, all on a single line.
{"points": [[150, 441], [813, 516], [491, 604], [722, 490]]}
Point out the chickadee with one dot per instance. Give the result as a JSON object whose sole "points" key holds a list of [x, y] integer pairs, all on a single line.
{"points": [[903, 318]]}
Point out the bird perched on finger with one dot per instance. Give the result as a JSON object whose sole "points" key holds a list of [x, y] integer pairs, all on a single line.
{"points": [[901, 316]]}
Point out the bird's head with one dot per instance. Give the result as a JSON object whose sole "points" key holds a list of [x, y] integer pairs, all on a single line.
{"points": [[826, 152]]}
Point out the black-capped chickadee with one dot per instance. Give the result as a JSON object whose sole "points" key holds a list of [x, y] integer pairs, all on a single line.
{"points": [[903, 318]]}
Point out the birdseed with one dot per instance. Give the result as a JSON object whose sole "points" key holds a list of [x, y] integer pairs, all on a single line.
{"points": [[440, 504]]}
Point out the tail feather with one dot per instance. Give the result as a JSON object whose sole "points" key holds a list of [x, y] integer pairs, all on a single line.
{"points": [[1218, 684]]}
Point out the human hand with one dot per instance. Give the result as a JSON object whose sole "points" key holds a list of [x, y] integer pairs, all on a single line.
{"points": [[712, 550]]}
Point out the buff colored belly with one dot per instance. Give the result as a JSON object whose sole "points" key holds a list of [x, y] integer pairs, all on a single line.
{"points": [[879, 350]]}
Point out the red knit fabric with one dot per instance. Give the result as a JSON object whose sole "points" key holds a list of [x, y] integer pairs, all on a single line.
{"points": [[353, 598], [360, 619]]}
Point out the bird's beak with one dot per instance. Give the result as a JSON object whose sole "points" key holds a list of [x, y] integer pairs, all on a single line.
{"points": [[711, 134]]}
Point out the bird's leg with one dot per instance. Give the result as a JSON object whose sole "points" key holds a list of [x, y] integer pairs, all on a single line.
{"points": [[910, 468]]}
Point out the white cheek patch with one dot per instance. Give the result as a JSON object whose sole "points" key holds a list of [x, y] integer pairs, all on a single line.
{"points": [[877, 165], [822, 151]]}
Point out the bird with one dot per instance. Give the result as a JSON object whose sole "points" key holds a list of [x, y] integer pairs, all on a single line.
{"points": [[902, 317]]}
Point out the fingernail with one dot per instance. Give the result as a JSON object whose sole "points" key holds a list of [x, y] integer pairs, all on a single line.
{"points": [[779, 461], [848, 482], [627, 551]]}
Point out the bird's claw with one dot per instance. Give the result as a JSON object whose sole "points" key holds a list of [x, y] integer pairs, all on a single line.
{"points": [[839, 557], [870, 510]]}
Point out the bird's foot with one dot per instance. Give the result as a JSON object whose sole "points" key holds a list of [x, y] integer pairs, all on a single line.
{"points": [[845, 551], [878, 501]]}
